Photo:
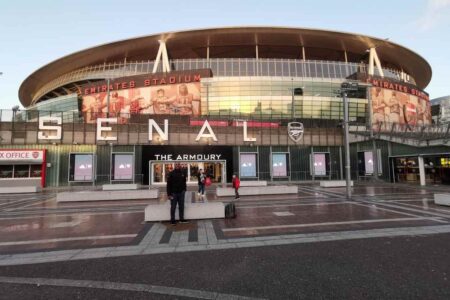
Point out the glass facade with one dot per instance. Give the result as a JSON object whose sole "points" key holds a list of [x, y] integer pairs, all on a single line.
{"points": [[64, 106], [223, 67], [278, 98]]}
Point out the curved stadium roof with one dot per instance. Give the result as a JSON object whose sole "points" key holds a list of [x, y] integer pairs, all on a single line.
{"points": [[233, 42]]}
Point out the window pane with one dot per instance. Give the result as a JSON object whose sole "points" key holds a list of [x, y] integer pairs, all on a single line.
{"points": [[35, 171], [123, 167], [6, 171], [320, 167], [279, 165], [248, 165], [21, 171]]}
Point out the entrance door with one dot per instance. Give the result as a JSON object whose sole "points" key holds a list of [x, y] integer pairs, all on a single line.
{"points": [[160, 170]]}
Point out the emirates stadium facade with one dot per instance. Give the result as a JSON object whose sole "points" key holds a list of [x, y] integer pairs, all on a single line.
{"points": [[262, 102]]}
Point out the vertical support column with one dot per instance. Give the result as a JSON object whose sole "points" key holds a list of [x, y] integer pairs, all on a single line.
{"points": [[421, 171], [372, 137], [303, 53], [373, 59], [257, 51], [347, 149], [162, 56], [345, 56]]}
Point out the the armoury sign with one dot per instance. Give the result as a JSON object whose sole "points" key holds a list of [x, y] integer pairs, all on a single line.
{"points": [[174, 93], [50, 129]]}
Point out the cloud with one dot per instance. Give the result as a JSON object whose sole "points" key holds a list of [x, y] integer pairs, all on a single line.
{"points": [[434, 11]]}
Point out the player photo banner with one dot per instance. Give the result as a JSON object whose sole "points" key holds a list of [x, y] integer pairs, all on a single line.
{"points": [[390, 106], [176, 93]]}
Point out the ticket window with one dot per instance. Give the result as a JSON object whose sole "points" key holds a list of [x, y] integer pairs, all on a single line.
{"points": [[20, 171]]}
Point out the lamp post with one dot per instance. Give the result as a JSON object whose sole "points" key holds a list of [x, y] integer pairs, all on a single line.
{"points": [[372, 136], [346, 87]]}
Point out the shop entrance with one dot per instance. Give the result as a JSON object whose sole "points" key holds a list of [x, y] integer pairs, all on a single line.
{"points": [[436, 168], [216, 170]]}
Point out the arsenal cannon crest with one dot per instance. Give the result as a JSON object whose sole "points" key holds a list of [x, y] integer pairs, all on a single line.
{"points": [[295, 131]]}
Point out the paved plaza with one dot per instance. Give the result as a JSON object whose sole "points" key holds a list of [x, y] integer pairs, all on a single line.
{"points": [[36, 233]]}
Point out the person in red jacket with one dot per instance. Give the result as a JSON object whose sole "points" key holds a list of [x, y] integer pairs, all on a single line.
{"points": [[236, 185]]}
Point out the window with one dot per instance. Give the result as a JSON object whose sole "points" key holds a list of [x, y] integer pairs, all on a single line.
{"points": [[81, 167], [35, 171], [123, 166], [248, 165], [6, 171], [21, 171], [365, 162], [320, 164], [280, 164]]}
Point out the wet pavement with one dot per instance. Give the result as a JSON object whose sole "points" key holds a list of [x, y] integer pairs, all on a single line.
{"points": [[388, 241], [38, 223]]}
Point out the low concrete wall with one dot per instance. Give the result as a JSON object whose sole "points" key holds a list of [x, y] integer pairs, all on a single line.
{"points": [[16, 182], [192, 211], [442, 199], [107, 195], [120, 186], [258, 190], [334, 183], [254, 183], [20, 190]]}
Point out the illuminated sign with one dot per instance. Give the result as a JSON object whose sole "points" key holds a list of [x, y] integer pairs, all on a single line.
{"points": [[29, 156], [206, 131], [399, 87], [186, 157]]}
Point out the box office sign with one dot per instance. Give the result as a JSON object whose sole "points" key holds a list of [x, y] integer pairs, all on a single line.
{"points": [[21, 156]]}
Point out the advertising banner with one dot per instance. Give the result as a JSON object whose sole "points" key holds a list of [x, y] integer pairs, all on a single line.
{"points": [[123, 166], [391, 106], [175, 93]]}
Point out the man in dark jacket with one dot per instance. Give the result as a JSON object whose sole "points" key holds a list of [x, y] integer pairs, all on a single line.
{"points": [[176, 187]]}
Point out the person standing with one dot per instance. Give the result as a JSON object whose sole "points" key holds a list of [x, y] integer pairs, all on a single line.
{"points": [[201, 182], [176, 188], [236, 184]]}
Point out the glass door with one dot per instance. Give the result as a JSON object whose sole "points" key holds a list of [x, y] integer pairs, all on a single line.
{"points": [[160, 170]]}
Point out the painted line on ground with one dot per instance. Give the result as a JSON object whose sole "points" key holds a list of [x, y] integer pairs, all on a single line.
{"points": [[119, 286], [298, 204], [377, 206], [426, 208], [406, 208], [65, 214], [320, 224], [71, 239]]}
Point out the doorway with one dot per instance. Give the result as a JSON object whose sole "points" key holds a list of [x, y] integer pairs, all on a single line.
{"points": [[159, 170]]}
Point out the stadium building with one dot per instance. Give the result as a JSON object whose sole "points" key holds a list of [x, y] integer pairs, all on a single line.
{"points": [[262, 102]]}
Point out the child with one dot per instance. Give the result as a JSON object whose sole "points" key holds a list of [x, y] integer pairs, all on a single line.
{"points": [[236, 185]]}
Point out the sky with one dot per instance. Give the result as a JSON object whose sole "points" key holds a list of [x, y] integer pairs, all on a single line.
{"points": [[35, 33]]}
